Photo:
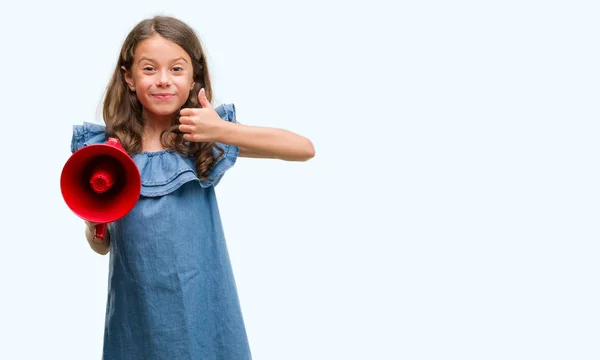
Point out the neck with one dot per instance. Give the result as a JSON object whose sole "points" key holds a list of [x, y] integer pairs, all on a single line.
{"points": [[154, 125]]}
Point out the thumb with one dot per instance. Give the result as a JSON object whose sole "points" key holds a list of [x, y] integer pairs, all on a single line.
{"points": [[203, 100]]}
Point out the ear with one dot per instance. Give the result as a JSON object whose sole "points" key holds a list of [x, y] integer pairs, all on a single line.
{"points": [[128, 78]]}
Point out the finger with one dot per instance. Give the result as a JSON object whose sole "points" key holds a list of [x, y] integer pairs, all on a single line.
{"points": [[91, 226], [189, 137], [186, 128], [186, 120], [187, 111], [203, 100]]}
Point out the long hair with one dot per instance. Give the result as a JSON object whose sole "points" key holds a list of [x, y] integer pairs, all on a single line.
{"points": [[122, 110]]}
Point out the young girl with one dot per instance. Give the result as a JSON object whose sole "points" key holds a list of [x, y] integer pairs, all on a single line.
{"points": [[172, 293]]}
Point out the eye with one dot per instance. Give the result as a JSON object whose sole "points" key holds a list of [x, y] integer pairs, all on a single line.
{"points": [[147, 68], [178, 68]]}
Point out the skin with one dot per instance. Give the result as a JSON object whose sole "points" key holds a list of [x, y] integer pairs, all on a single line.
{"points": [[163, 67], [162, 77]]}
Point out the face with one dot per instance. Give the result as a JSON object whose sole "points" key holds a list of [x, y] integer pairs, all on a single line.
{"points": [[161, 76]]}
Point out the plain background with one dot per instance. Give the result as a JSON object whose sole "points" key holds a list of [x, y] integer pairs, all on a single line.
{"points": [[451, 211]]}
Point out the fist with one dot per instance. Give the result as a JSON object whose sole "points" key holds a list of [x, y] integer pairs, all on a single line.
{"points": [[91, 229], [201, 125], [90, 225]]}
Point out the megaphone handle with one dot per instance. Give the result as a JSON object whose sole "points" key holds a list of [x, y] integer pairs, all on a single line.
{"points": [[100, 231]]}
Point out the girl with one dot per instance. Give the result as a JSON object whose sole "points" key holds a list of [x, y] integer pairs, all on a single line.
{"points": [[172, 293]]}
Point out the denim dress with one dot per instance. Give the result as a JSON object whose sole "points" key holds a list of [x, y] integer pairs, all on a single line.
{"points": [[171, 288]]}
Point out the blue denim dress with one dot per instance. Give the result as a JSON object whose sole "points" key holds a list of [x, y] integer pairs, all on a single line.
{"points": [[171, 289]]}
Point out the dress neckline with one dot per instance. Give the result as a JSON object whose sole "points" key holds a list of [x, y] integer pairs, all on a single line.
{"points": [[153, 153]]}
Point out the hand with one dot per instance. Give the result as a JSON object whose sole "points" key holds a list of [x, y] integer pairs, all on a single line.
{"points": [[90, 225], [91, 228], [201, 125]]}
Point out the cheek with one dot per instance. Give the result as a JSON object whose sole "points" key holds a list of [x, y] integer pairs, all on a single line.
{"points": [[143, 83], [184, 88], [142, 91]]}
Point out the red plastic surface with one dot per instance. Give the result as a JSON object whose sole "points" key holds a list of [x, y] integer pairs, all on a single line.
{"points": [[101, 183]]}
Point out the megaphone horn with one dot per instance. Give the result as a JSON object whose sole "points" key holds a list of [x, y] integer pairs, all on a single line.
{"points": [[101, 183]]}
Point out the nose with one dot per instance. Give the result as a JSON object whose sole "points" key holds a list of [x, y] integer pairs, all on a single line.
{"points": [[163, 80]]}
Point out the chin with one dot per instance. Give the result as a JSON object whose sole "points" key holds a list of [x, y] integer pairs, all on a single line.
{"points": [[163, 110]]}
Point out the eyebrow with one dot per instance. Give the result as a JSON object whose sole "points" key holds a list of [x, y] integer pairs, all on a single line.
{"points": [[145, 58]]}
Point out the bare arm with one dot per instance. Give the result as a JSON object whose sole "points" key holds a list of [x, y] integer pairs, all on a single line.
{"points": [[101, 248], [205, 125], [265, 142]]}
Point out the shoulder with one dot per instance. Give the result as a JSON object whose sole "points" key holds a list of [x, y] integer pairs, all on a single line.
{"points": [[87, 134]]}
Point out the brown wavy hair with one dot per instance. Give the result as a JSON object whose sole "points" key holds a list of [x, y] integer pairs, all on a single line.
{"points": [[122, 110]]}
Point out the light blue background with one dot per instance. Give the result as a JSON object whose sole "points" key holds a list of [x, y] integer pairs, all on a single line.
{"points": [[451, 211]]}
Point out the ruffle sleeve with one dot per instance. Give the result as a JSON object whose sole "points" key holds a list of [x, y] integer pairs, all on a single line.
{"points": [[165, 171], [87, 134], [230, 152]]}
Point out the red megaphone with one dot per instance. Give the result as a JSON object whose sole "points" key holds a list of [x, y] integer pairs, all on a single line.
{"points": [[101, 183]]}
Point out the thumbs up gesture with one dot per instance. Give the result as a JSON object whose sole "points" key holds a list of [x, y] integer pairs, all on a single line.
{"points": [[201, 125]]}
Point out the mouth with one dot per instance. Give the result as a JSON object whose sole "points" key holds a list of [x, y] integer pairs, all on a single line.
{"points": [[163, 96]]}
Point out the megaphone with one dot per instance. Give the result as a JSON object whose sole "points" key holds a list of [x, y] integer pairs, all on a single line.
{"points": [[101, 183]]}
